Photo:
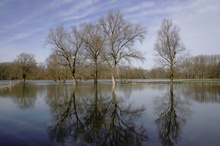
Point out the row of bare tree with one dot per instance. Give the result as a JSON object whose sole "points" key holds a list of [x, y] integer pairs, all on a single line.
{"points": [[102, 50], [195, 67], [109, 41], [201, 66]]}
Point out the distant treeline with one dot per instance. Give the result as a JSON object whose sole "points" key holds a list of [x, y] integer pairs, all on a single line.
{"points": [[197, 67], [202, 66]]}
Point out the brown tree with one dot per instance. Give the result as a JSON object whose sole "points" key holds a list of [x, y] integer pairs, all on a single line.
{"points": [[168, 46], [94, 44], [54, 69], [67, 45], [120, 37], [26, 63], [4, 71]]}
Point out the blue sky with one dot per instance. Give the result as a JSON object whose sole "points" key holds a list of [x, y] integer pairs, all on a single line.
{"points": [[24, 24]]}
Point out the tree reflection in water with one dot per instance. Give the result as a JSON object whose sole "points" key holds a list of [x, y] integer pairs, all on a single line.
{"points": [[22, 95], [102, 119], [25, 96], [172, 113]]}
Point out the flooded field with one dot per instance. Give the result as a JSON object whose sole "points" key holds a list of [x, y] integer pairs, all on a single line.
{"points": [[49, 113]]}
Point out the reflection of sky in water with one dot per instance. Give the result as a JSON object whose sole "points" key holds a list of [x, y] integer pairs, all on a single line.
{"points": [[203, 126], [4, 82], [25, 112]]}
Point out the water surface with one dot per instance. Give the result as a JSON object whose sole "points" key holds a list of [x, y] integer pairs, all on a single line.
{"points": [[48, 113]]}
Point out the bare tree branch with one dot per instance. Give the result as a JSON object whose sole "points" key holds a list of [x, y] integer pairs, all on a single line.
{"points": [[120, 37], [169, 47]]}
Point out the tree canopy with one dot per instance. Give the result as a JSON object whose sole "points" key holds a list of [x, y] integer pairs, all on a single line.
{"points": [[169, 48]]}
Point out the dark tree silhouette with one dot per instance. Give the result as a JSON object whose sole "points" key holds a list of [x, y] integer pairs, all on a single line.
{"points": [[172, 114], [99, 119], [25, 62], [120, 36], [168, 46]]}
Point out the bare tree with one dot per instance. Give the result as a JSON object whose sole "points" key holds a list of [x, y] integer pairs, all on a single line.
{"points": [[66, 45], [54, 69], [204, 66], [94, 44], [4, 71], [26, 63], [120, 37], [168, 46]]}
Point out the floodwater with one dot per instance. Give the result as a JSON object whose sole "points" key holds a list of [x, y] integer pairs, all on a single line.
{"points": [[49, 113]]}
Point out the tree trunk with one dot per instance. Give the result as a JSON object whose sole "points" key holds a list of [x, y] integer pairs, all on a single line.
{"points": [[74, 79], [73, 76], [171, 80], [24, 77], [113, 74], [171, 74], [96, 72], [59, 79], [113, 79], [95, 79]]}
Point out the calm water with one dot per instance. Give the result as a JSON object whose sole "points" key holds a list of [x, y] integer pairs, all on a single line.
{"points": [[46, 113]]}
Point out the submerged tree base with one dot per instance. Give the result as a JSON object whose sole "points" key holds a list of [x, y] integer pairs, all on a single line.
{"points": [[9, 85]]}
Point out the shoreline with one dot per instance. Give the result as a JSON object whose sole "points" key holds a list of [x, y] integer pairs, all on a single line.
{"points": [[10, 84]]}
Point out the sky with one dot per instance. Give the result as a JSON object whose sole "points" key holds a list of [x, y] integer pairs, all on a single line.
{"points": [[24, 24]]}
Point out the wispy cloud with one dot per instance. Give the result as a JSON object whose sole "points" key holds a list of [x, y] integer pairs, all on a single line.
{"points": [[86, 11], [199, 23], [77, 7], [140, 7], [25, 34]]}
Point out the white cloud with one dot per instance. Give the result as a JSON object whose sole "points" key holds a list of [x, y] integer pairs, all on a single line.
{"points": [[199, 25], [25, 34], [77, 8], [140, 7]]}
